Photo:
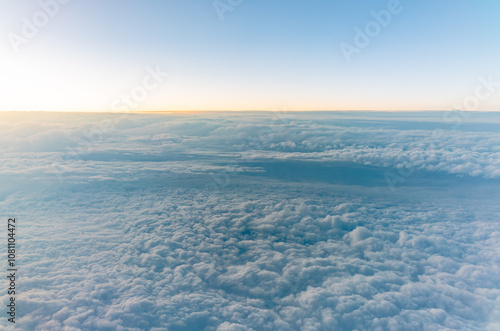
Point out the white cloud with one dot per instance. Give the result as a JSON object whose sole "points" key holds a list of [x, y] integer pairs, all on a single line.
{"points": [[138, 235]]}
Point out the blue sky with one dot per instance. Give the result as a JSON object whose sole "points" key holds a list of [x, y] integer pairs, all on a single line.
{"points": [[263, 55]]}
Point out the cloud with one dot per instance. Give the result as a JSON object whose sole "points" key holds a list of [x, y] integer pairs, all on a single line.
{"points": [[165, 224]]}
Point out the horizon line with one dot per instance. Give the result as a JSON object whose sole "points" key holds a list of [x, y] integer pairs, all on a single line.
{"points": [[240, 111]]}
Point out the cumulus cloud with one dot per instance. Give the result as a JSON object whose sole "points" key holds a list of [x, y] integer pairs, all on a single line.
{"points": [[176, 223]]}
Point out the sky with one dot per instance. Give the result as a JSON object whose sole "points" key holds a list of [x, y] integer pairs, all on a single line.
{"points": [[129, 55]]}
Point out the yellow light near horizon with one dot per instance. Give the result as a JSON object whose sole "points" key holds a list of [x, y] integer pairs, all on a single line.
{"points": [[41, 82]]}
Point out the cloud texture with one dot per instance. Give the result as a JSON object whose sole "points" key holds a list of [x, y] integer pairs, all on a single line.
{"points": [[253, 221]]}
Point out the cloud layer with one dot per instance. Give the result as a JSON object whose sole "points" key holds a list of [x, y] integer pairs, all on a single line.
{"points": [[191, 222]]}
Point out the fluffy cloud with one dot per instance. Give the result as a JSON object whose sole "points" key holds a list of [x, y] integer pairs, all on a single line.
{"points": [[178, 223]]}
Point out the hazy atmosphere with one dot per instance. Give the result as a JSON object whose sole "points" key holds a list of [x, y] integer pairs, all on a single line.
{"points": [[247, 55], [236, 165]]}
